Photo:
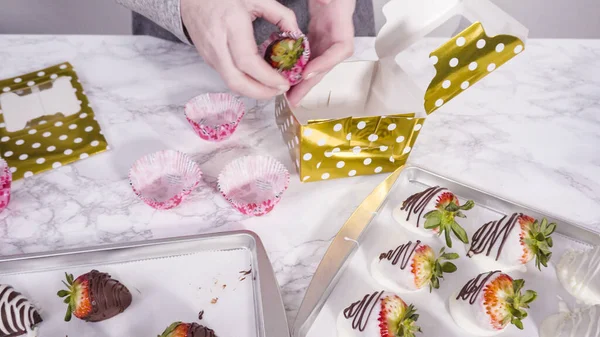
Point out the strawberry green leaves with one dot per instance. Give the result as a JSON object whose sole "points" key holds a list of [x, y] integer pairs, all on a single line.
{"points": [[440, 267], [66, 294], [538, 239], [69, 313], [443, 218], [284, 53], [407, 324], [170, 329], [517, 303]]}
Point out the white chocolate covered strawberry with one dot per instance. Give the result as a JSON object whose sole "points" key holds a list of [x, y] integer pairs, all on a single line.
{"points": [[411, 267], [579, 273], [511, 242], [379, 314], [488, 303], [584, 322], [433, 211]]}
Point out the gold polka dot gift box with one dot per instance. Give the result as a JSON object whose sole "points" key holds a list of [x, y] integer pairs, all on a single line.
{"points": [[46, 121], [364, 117]]}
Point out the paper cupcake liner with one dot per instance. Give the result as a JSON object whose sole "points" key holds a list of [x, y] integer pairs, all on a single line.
{"points": [[164, 179], [254, 184], [5, 183], [294, 75], [214, 116]]}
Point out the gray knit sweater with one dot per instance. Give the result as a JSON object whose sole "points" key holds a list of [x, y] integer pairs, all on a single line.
{"points": [[162, 18]]}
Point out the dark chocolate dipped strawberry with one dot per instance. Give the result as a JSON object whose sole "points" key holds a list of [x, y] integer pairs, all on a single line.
{"points": [[94, 297], [287, 52], [18, 316], [180, 329]]}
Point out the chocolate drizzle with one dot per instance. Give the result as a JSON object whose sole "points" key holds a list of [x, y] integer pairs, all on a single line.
{"points": [[18, 316], [417, 202], [197, 330], [360, 311], [489, 234], [472, 289], [401, 254], [109, 297]]}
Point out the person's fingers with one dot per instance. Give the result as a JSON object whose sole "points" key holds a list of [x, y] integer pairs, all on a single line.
{"points": [[317, 68], [236, 80], [331, 57], [297, 93], [277, 14], [245, 56]]}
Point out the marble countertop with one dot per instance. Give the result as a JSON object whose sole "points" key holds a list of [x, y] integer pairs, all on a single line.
{"points": [[529, 133]]}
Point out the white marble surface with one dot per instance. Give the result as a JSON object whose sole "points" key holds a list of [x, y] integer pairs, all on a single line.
{"points": [[530, 133]]}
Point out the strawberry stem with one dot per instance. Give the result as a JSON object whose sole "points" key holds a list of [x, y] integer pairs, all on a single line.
{"points": [[407, 324], [285, 53], [440, 267], [68, 295], [539, 241], [517, 303], [170, 329], [443, 218]]}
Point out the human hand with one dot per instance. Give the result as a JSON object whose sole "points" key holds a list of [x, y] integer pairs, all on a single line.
{"points": [[223, 34], [331, 38]]}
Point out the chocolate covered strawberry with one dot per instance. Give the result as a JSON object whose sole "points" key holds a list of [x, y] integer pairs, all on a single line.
{"points": [[488, 303], [94, 297], [180, 329], [18, 317], [288, 52], [433, 211], [379, 314], [412, 266], [511, 242]]}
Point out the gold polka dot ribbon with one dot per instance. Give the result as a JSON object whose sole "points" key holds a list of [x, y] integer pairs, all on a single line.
{"points": [[49, 141]]}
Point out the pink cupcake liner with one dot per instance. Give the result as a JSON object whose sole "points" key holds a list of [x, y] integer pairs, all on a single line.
{"points": [[293, 75], [254, 184], [164, 179], [214, 116], [5, 183]]}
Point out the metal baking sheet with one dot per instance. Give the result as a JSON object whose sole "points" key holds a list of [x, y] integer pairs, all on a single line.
{"points": [[170, 280], [343, 276]]}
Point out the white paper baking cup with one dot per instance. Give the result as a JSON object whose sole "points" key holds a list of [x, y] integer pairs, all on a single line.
{"points": [[5, 184], [164, 179], [254, 184], [214, 116]]}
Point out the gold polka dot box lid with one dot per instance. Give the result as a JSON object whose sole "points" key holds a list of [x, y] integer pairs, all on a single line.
{"points": [[46, 121], [364, 117]]}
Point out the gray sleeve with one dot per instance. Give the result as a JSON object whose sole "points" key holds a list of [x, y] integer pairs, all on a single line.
{"points": [[165, 13]]}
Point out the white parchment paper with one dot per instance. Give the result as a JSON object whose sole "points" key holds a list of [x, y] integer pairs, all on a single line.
{"points": [[435, 320], [164, 290]]}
